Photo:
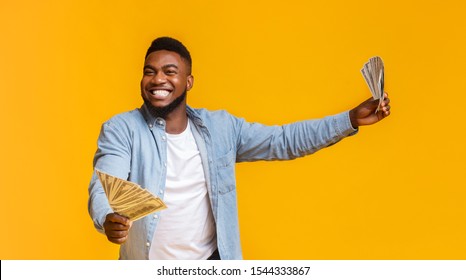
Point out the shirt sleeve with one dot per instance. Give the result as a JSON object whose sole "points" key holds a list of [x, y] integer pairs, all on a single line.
{"points": [[260, 142], [113, 156]]}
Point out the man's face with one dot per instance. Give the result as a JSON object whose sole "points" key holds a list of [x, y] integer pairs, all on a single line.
{"points": [[165, 78]]}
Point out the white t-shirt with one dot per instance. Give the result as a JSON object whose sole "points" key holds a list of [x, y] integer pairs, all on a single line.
{"points": [[186, 229]]}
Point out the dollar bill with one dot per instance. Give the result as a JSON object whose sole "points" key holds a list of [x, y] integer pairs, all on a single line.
{"points": [[129, 199], [373, 73]]}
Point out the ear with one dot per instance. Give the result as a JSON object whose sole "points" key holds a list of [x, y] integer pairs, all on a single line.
{"points": [[189, 82]]}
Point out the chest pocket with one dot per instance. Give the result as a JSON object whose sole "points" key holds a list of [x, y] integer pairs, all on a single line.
{"points": [[226, 172]]}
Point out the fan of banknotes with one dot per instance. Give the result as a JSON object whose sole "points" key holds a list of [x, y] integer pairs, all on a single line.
{"points": [[129, 199], [373, 72]]}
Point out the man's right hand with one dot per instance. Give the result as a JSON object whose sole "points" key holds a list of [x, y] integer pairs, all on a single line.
{"points": [[116, 228]]}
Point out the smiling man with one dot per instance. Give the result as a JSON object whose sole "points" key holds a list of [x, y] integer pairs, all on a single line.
{"points": [[187, 157]]}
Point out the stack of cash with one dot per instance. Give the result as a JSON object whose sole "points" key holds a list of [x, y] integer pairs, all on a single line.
{"points": [[373, 72], [129, 199]]}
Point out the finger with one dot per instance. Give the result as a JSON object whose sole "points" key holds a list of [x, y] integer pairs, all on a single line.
{"points": [[116, 233], [117, 236], [386, 102], [115, 226], [386, 110], [385, 95], [114, 217], [370, 103], [120, 240]]}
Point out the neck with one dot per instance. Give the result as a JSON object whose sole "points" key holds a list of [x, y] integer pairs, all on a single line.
{"points": [[177, 120]]}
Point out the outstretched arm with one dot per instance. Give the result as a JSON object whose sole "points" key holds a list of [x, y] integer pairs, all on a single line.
{"points": [[365, 113]]}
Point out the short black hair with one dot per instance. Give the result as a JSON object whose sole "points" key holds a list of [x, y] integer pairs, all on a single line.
{"points": [[173, 45]]}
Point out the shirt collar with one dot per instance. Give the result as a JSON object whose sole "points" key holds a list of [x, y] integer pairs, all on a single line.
{"points": [[153, 121]]}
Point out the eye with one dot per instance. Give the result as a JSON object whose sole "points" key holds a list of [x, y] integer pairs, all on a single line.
{"points": [[170, 72], [148, 72]]}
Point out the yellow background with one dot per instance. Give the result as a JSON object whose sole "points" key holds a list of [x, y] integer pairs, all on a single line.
{"points": [[394, 191]]}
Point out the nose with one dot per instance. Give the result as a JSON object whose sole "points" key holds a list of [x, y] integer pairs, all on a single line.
{"points": [[159, 78]]}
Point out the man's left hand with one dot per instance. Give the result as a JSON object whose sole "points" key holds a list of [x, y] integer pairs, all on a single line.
{"points": [[365, 113]]}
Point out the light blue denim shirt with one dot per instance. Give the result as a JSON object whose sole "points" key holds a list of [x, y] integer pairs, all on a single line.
{"points": [[133, 146]]}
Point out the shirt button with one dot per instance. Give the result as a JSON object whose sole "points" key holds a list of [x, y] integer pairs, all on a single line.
{"points": [[148, 244], [161, 191], [156, 216], [159, 122], [150, 125], [164, 138], [165, 164]]}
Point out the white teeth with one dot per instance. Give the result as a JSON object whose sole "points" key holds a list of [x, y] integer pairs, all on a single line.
{"points": [[160, 93]]}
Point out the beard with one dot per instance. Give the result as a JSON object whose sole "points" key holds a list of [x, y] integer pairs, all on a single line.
{"points": [[162, 112]]}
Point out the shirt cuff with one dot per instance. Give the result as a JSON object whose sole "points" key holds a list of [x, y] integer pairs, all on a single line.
{"points": [[343, 125]]}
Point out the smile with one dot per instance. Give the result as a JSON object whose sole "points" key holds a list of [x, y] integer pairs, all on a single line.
{"points": [[160, 93]]}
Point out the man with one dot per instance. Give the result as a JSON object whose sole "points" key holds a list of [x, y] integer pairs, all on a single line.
{"points": [[187, 157]]}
